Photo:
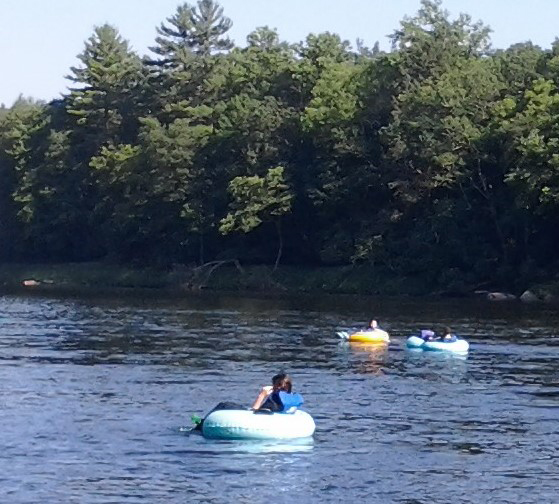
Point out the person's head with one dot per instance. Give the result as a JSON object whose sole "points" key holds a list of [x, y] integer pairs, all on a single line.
{"points": [[282, 381], [373, 324], [446, 331]]}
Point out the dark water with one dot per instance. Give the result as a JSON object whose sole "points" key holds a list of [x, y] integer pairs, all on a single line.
{"points": [[94, 392]]}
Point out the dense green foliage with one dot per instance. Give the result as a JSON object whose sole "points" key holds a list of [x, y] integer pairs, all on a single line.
{"points": [[438, 160]]}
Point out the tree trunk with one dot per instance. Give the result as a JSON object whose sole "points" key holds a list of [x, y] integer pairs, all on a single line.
{"points": [[280, 245], [485, 191], [499, 231], [201, 251]]}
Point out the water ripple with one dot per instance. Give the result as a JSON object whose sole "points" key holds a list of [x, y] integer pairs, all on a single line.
{"points": [[95, 391]]}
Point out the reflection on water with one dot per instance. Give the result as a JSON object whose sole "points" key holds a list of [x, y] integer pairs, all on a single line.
{"points": [[366, 357], [94, 391], [219, 447], [418, 354]]}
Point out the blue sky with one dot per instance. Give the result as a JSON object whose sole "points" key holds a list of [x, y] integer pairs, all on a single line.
{"points": [[39, 39]]}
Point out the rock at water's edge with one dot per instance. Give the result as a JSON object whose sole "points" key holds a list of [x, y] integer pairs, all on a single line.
{"points": [[529, 297], [500, 296]]}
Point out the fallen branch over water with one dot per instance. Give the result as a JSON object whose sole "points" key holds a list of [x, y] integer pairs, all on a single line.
{"points": [[200, 275]]}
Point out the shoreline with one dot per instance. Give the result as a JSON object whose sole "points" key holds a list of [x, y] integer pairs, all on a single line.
{"points": [[234, 280]]}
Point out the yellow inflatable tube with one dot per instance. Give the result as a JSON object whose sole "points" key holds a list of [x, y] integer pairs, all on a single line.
{"points": [[374, 336]]}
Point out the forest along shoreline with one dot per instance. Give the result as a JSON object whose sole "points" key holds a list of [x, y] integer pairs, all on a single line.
{"points": [[231, 276], [426, 169]]}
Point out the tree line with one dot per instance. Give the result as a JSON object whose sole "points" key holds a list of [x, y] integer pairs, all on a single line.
{"points": [[438, 159]]}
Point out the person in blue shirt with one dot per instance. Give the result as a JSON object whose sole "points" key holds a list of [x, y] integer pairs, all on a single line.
{"points": [[279, 396], [275, 398]]}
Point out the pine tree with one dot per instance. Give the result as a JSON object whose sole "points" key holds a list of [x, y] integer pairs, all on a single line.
{"points": [[191, 31], [103, 103]]}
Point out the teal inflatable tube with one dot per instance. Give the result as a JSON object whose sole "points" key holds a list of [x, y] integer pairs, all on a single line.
{"points": [[246, 424], [458, 346], [415, 342]]}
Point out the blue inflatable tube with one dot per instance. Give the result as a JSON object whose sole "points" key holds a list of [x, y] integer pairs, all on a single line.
{"points": [[246, 424]]}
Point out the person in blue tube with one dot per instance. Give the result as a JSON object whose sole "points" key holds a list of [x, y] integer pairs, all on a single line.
{"points": [[447, 336], [278, 397], [444, 335], [428, 335], [275, 398]]}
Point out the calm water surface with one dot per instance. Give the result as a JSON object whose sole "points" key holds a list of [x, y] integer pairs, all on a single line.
{"points": [[96, 395]]}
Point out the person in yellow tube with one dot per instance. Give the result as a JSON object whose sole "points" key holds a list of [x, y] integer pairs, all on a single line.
{"points": [[373, 324]]}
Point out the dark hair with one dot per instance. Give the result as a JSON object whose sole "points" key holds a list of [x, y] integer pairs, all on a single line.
{"points": [[446, 330], [282, 381]]}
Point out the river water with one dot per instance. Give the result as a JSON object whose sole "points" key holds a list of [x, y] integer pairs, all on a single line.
{"points": [[96, 395]]}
